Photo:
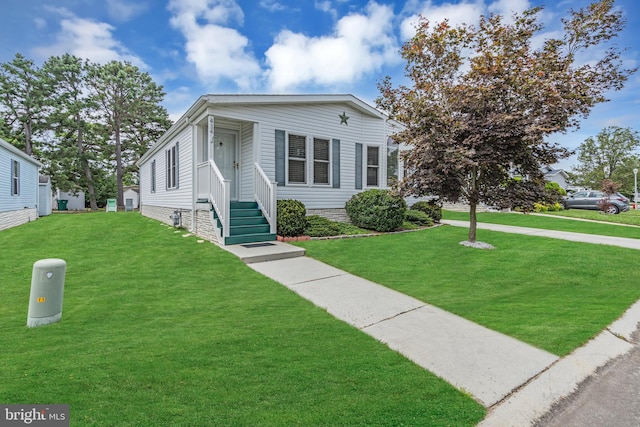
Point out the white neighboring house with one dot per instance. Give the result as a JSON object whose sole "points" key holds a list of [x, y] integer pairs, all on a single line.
{"points": [[18, 186], [558, 176], [75, 200], [231, 154]]}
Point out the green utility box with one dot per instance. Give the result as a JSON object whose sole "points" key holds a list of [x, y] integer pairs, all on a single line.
{"points": [[62, 204], [111, 205], [47, 289]]}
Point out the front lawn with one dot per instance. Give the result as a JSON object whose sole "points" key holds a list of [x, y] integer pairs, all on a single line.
{"points": [[158, 329], [551, 293]]}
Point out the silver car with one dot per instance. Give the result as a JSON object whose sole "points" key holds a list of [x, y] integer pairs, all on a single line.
{"points": [[592, 199]]}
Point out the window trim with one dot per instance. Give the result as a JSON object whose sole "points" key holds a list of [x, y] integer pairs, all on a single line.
{"points": [[15, 177], [367, 166], [304, 159], [309, 160], [153, 176], [328, 162], [171, 167]]}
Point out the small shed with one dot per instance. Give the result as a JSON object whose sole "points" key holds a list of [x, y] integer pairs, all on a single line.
{"points": [[44, 196], [131, 197]]}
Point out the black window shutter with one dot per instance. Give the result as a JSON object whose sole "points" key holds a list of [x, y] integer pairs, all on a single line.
{"points": [[335, 148], [280, 157], [358, 166]]}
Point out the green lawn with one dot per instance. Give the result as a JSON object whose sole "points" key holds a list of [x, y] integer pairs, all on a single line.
{"points": [[560, 221], [158, 329], [551, 293]]}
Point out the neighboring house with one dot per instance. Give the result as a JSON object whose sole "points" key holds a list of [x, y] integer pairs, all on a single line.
{"points": [[227, 149], [44, 196], [558, 176], [131, 196], [75, 200], [18, 186]]}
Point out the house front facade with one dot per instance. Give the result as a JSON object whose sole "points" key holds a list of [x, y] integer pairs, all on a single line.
{"points": [[231, 152], [19, 182]]}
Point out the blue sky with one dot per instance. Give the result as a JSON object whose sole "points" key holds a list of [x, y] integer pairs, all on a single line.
{"points": [[193, 47]]}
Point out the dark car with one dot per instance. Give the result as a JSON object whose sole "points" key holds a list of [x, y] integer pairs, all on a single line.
{"points": [[592, 199]]}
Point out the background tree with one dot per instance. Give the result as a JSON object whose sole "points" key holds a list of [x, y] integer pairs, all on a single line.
{"points": [[21, 101], [483, 100], [610, 155], [122, 94], [73, 149]]}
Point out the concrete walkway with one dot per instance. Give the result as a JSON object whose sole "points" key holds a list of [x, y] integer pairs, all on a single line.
{"points": [[517, 382], [563, 235]]}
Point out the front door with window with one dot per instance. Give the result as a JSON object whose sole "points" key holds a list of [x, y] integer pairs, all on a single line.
{"points": [[225, 155]]}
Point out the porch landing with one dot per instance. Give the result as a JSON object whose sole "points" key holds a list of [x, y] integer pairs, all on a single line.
{"points": [[264, 251]]}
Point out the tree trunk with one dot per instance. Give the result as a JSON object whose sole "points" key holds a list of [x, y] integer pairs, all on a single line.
{"points": [[87, 171], [473, 204], [119, 165], [473, 221], [28, 147]]}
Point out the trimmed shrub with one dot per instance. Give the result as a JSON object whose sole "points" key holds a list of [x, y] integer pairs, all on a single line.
{"points": [[318, 226], [431, 208], [291, 218], [418, 218], [377, 210]]}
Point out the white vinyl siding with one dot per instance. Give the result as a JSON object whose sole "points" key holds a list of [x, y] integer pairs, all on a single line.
{"points": [[17, 172], [180, 197]]}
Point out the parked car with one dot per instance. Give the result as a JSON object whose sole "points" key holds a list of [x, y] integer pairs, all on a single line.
{"points": [[592, 199]]}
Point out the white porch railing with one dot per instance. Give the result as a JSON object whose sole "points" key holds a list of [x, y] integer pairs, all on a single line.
{"points": [[265, 194], [213, 186]]}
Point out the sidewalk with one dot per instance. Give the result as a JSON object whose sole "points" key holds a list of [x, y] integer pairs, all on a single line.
{"points": [[518, 383]]}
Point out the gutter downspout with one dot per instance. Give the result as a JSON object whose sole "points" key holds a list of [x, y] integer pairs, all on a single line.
{"points": [[194, 139]]}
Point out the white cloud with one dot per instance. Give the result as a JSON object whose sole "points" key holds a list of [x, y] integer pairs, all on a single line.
{"points": [[465, 12], [89, 39], [457, 14], [360, 44], [507, 8], [40, 23], [216, 50], [272, 5], [326, 6], [122, 10]]}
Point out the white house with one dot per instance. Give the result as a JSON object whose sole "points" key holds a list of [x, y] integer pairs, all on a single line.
{"points": [[558, 176], [18, 186], [230, 153]]}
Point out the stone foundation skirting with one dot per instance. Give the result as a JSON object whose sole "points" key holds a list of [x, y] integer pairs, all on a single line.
{"points": [[203, 226], [15, 218], [337, 214]]}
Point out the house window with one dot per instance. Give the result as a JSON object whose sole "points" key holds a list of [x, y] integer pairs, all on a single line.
{"points": [[15, 178], [153, 176], [373, 166], [172, 167], [320, 161], [297, 159]]}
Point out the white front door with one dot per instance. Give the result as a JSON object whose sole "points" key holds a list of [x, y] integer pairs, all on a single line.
{"points": [[225, 155]]}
